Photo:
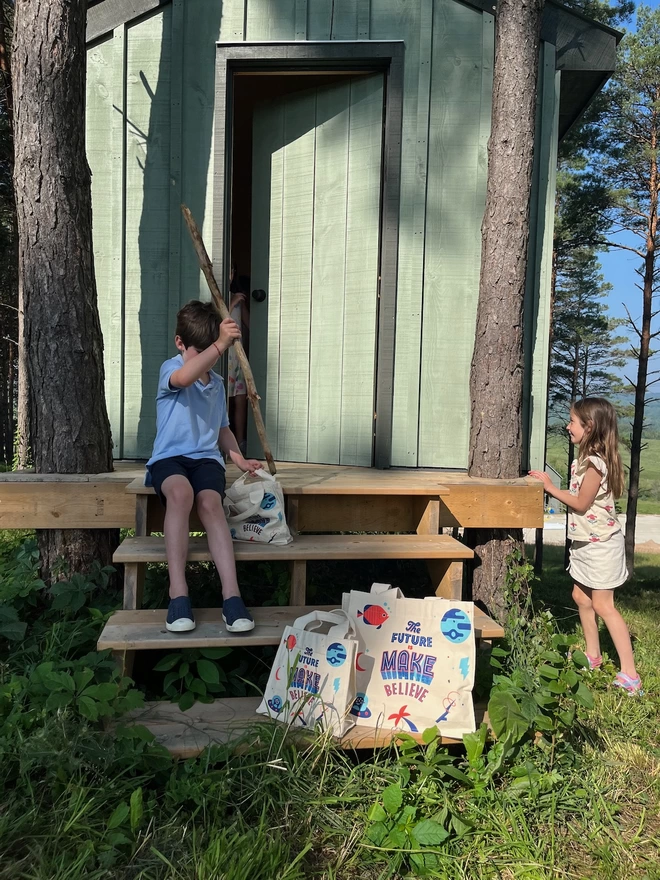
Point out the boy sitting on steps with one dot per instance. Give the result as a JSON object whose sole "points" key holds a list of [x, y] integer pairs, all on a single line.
{"points": [[186, 465]]}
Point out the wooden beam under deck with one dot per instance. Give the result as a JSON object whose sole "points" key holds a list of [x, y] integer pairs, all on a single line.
{"points": [[329, 498]]}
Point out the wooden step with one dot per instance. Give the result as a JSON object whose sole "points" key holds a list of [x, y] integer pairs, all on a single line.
{"points": [[306, 547], [145, 629], [186, 734]]}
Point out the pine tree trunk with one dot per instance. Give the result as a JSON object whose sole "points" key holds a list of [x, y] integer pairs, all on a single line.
{"points": [[70, 431], [644, 351], [496, 377], [9, 317]]}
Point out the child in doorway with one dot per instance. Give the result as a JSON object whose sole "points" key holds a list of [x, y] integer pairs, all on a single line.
{"points": [[597, 552], [186, 465], [236, 386]]}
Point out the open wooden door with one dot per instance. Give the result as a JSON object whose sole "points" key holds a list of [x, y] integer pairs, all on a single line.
{"points": [[316, 202]]}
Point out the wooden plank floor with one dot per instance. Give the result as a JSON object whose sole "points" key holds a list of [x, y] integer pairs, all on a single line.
{"points": [[301, 479], [145, 629], [186, 734], [315, 479], [305, 547]]}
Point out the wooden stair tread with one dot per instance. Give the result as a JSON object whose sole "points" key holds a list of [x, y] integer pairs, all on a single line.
{"points": [[186, 734], [145, 629], [306, 547]]}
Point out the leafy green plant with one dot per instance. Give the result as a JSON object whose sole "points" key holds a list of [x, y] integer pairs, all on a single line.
{"points": [[90, 686], [542, 706], [193, 675], [539, 684], [397, 828], [73, 593], [20, 584], [414, 817], [280, 578]]}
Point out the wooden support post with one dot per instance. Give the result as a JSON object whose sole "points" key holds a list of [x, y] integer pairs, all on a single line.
{"points": [[446, 577], [125, 660], [298, 569], [141, 516], [133, 583], [426, 511], [292, 511]]}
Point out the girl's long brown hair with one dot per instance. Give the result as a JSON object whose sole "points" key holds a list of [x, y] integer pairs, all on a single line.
{"points": [[601, 438]]}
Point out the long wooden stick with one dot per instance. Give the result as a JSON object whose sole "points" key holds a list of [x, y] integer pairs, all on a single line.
{"points": [[207, 269]]}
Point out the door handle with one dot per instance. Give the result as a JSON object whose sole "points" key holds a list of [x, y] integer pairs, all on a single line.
{"points": [[259, 295]]}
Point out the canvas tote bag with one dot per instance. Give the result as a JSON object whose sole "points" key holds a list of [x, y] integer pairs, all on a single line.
{"points": [[254, 507], [312, 681], [414, 663]]}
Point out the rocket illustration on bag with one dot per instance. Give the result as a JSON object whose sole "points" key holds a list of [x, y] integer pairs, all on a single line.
{"points": [[373, 615]]}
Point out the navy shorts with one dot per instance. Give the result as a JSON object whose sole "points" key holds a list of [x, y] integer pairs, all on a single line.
{"points": [[201, 473]]}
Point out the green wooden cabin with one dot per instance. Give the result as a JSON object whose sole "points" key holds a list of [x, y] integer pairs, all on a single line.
{"points": [[335, 150]]}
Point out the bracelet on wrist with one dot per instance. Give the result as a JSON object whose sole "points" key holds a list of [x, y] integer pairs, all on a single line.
{"points": [[215, 345]]}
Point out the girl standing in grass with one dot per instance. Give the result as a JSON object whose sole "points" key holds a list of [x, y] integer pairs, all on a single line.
{"points": [[597, 553]]}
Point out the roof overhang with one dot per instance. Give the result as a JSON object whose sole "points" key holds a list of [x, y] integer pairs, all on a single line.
{"points": [[585, 49], [585, 52], [103, 16]]}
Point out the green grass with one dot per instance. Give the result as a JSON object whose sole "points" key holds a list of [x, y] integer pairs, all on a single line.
{"points": [[77, 802], [649, 478]]}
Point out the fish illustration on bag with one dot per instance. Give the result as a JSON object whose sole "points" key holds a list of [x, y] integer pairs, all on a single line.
{"points": [[373, 615]]}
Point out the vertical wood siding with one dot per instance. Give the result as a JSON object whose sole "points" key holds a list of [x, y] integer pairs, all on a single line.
{"points": [[537, 304], [147, 230], [149, 132], [105, 156], [456, 191]]}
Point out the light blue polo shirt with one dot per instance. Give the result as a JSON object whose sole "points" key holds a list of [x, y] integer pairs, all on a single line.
{"points": [[188, 420]]}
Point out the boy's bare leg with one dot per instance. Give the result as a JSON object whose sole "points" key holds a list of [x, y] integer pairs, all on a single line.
{"points": [[212, 515], [179, 494]]}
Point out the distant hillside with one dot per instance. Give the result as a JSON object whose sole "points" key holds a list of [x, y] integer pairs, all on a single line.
{"points": [[651, 416]]}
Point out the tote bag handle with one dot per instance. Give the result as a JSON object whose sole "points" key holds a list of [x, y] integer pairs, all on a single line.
{"points": [[342, 623], [377, 589]]}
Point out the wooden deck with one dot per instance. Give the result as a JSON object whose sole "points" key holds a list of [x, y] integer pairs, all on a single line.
{"points": [[407, 508], [325, 497]]}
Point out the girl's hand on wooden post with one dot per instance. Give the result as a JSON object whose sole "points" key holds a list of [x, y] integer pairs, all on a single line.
{"points": [[543, 477]]}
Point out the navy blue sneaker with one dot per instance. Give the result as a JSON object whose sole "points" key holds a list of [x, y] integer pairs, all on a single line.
{"points": [[180, 617], [236, 616]]}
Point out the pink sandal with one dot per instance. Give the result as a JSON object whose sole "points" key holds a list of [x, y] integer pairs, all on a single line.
{"points": [[632, 686], [594, 662]]}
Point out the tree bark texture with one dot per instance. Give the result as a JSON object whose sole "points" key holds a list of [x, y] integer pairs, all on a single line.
{"points": [[8, 284], [496, 376], [70, 430]]}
